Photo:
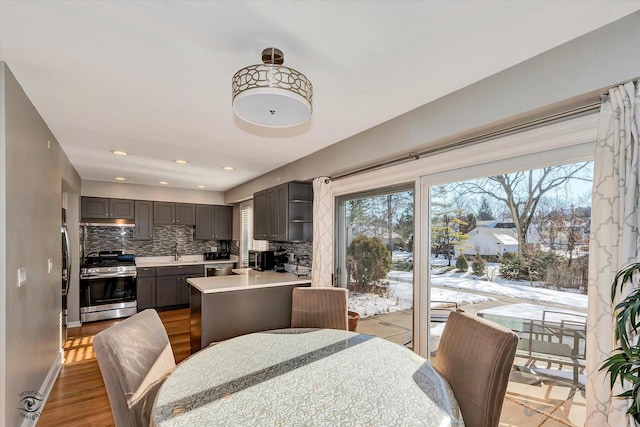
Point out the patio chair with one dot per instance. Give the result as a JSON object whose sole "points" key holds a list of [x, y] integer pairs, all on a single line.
{"points": [[475, 356], [134, 356], [319, 307]]}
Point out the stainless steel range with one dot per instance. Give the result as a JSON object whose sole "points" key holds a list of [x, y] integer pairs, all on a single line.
{"points": [[107, 286]]}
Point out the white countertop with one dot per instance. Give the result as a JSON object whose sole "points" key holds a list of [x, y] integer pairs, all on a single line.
{"points": [[164, 261], [251, 280]]}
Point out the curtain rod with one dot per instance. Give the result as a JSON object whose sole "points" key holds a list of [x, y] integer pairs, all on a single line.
{"points": [[476, 139]]}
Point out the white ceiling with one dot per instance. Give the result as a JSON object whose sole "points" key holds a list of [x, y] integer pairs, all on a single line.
{"points": [[153, 78]]}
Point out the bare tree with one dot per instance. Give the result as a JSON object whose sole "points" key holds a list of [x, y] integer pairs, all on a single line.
{"points": [[522, 191]]}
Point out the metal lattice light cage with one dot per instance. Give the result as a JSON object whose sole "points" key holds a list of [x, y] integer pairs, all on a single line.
{"points": [[271, 94]]}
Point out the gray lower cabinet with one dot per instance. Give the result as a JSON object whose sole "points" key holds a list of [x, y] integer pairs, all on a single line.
{"points": [[144, 220], [146, 288], [172, 288]]}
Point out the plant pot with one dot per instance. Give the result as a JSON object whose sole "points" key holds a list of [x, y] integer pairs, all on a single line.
{"points": [[353, 320]]}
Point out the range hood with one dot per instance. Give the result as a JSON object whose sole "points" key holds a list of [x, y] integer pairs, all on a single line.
{"points": [[108, 222]]}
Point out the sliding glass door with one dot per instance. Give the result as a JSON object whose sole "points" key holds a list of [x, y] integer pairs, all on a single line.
{"points": [[374, 259]]}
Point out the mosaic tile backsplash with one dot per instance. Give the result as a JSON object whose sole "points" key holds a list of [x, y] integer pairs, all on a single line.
{"points": [[165, 237]]}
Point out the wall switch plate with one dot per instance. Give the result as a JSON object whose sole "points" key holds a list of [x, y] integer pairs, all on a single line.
{"points": [[22, 277], [49, 265]]}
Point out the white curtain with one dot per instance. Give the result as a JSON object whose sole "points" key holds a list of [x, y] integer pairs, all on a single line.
{"points": [[322, 266], [615, 242]]}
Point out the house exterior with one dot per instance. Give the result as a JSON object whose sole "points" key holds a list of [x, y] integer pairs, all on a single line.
{"points": [[487, 241]]}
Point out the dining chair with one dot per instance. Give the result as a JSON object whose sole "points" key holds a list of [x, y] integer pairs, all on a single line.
{"points": [[319, 307], [134, 356], [475, 356]]}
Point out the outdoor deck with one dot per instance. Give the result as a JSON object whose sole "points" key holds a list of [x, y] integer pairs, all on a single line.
{"points": [[532, 400]]}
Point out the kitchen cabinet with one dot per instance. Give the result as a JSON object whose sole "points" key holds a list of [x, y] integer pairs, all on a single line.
{"points": [[214, 222], [104, 208], [284, 213], [169, 213], [260, 225], [143, 220], [146, 288], [172, 288], [277, 213]]}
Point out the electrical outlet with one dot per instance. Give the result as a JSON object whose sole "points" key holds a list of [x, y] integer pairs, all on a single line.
{"points": [[49, 265], [22, 277]]}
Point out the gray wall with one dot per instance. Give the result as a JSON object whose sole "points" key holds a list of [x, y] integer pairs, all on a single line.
{"points": [[32, 176], [558, 79], [151, 192]]}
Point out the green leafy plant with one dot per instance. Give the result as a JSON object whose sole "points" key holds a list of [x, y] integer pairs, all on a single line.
{"points": [[369, 261], [461, 263], [624, 364], [478, 265]]}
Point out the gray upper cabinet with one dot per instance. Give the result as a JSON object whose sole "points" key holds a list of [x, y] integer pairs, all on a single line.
{"points": [[277, 216], [213, 222], [260, 220], [169, 213], [143, 220], [284, 213], [185, 214], [104, 208]]}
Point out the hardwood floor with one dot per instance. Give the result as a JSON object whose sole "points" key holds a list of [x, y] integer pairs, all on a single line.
{"points": [[78, 397]]}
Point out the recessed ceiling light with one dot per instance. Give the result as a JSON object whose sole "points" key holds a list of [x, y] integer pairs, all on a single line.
{"points": [[200, 186], [120, 153], [227, 168], [182, 162], [164, 182], [119, 178]]}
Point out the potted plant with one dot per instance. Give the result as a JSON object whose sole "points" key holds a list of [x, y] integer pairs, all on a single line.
{"points": [[624, 364]]}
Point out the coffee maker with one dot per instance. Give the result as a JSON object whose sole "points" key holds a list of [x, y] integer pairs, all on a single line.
{"points": [[280, 259]]}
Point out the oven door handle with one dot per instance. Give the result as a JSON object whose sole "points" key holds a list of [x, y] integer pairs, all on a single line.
{"points": [[106, 275]]}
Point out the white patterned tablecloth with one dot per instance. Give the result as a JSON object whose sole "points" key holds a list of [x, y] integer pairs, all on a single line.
{"points": [[305, 377]]}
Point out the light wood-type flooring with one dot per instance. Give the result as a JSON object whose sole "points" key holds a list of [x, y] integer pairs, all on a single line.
{"points": [[79, 397]]}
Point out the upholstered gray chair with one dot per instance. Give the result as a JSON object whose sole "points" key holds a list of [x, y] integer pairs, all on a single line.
{"points": [[134, 357], [320, 308], [475, 356]]}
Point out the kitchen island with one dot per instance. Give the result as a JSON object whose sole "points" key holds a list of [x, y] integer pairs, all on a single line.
{"points": [[223, 307]]}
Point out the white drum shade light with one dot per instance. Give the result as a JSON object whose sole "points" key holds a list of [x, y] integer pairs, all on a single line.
{"points": [[271, 94]]}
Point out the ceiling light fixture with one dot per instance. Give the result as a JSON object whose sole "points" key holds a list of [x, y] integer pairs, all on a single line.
{"points": [[120, 153], [182, 162], [119, 178], [227, 168], [164, 182], [271, 94], [200, 186]]}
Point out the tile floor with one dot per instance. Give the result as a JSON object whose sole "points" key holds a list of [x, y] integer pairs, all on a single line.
{"points": [[530, 401]]}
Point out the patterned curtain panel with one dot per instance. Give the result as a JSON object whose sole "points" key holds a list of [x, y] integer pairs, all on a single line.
{"points": [[322, 267], [615, 242]]}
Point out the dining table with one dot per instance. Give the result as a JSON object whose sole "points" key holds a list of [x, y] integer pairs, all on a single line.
{"points": [[304, 377]]}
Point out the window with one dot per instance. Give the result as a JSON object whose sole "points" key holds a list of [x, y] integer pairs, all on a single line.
{"points": [[246, 233]]}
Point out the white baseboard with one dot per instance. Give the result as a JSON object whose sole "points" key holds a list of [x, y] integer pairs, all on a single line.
{"points": [[74, 324], [47, 385]]}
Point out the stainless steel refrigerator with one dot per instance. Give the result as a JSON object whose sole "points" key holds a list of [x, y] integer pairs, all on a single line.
{"points": [[66, 275]]}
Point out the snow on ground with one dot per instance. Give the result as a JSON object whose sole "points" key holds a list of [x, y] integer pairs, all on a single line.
{"points": [[458, 287], [511, 289], [401, 298]]}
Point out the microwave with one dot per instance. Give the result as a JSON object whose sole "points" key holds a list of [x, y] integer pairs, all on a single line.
{"points": [[261, 260]]}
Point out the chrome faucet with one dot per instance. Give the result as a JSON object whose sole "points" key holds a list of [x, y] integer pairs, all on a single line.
{"points": [[177, 253]]}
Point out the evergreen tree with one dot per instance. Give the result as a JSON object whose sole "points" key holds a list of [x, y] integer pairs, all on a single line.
{"points": [[485, 213]]}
